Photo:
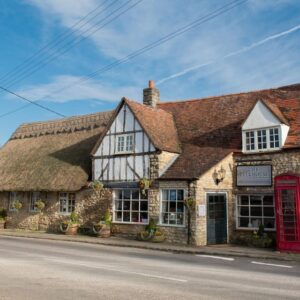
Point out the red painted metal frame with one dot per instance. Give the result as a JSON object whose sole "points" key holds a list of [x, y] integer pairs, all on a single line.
{"points": [[283, 245]]}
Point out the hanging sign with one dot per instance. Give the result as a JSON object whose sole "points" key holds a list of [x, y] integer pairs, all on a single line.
{"points": [[254, 175]]}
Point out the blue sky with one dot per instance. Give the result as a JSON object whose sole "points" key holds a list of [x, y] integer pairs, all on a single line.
{"points": [[254, 46]]}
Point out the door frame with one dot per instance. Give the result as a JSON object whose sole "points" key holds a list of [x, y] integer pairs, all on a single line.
{"points": [[206, 204]]}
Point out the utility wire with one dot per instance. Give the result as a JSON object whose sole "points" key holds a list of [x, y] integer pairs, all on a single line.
{"points": [[155, 44], [39, 65], [190, 26], [57, 40], [32, 102]]}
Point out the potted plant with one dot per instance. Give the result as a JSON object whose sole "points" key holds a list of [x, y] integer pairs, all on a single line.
{"points": [[144, 185], [151, 233], [71, 226], [3, 216], [103, 227], [17, 205], [39, 205]]}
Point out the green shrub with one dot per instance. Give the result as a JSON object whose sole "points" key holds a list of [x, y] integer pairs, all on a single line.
{"points": [[73, 218], [3, 214]]}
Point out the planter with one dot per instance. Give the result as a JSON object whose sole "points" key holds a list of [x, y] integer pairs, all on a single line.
{"points": [[158, 238], [105, 232], [2, 224], [72, 229]]}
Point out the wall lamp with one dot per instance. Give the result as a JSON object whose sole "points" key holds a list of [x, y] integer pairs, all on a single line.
{"points": [[218, 176]]}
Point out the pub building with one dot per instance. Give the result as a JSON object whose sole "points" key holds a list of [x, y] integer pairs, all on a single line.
{"points": [[237, 156], [267, 183]]}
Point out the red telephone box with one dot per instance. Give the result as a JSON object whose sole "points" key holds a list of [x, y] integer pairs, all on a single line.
{"points": [[287, 191]]}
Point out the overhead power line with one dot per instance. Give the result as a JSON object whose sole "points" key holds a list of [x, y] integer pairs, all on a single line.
{"points": [[57, 40], [32, 102], [223, 9], [68, 46], [155, 44]]}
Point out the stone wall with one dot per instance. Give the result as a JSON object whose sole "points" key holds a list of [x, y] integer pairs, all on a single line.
{"points": [[88, 205], [206, 184]]}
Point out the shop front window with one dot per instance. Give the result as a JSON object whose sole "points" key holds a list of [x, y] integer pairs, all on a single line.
{"points": [[172, 206], [254, 210], [130, 206]]}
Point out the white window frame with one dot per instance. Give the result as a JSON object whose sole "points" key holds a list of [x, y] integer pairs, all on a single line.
{"points": [[13, 196], [126, 139], [139, 211], [185, 194], [249, 216], [65, 196], [268, 148]]}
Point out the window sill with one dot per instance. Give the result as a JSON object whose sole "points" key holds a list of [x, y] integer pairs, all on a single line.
{"points": [[261, 151], [129, 223], [171, 225], [253, 229]]}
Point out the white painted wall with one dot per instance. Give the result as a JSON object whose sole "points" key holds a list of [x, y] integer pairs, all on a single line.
{"points": [[260, 117], [116, 168]]}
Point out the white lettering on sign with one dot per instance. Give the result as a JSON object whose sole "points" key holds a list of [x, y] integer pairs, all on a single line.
{"points": [[254, 175]]}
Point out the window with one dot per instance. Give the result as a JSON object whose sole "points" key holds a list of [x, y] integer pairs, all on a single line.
{"points": [[125, 143], [13, 196], [262, 139], [274, 138], [34, 197], [254, 210], [130, 206], [66, 203], [250, 140], [172, 207]]}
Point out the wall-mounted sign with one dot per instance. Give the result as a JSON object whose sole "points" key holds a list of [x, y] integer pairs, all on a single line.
{"points": [[201, 210], [254, 175]]}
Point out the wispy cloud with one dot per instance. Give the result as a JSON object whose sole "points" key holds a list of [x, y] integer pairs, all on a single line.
{"points": [[90, 90], [242, 50]]}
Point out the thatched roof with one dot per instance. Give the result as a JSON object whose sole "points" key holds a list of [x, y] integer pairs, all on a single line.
{"points": [[51, 156]]}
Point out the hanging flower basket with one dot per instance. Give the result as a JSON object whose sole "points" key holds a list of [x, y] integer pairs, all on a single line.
{"points": [[17, 205], [39, 205], [144, 185], [96, 185]]}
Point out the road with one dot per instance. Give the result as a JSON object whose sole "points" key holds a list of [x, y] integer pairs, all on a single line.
{"points": [[41, 269]]}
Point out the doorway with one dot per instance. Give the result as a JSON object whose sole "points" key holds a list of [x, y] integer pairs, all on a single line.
{"points": [[216, 219]]}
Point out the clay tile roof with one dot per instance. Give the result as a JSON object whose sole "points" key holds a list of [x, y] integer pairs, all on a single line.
{"points": [[158, 124], [51, 156], [209, 129]]}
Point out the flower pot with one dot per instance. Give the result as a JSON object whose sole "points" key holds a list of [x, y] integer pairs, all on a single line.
{"points": [[158, 238], [105, 232], [72, 229], [2, 224]]}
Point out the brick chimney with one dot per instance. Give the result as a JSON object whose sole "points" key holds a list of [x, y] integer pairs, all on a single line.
{"points": [[151, 95]]}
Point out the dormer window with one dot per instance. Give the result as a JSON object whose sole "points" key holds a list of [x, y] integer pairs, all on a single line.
{"points": [[265, 128], [262, 139], [124, 143]]}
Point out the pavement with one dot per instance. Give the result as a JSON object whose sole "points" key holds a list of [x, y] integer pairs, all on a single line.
{"points": [[34, 269], [225, 250]]}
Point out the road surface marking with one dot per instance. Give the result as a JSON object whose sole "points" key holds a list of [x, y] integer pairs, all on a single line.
{"points": [[216, 257], [108, 268], [272, 265]]}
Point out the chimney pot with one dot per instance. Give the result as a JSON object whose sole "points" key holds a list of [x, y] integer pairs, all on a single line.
{"points": [[151, 84]]}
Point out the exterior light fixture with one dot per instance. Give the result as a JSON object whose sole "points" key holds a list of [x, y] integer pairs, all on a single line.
{"points": [[218, 176]]}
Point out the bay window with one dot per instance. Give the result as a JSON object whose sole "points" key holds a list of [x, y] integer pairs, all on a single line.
{"points": [[254, 210], [172, 206], [130, 206]]}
